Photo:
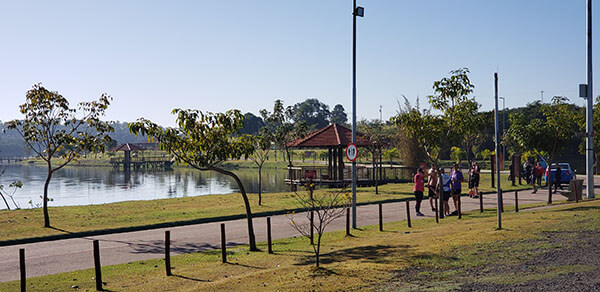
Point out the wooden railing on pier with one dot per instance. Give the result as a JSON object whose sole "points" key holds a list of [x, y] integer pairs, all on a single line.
{"points": [[366, 175]]}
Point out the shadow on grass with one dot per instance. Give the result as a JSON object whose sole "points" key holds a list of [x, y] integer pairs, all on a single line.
{"points": [[374, 254], [189, 278]]}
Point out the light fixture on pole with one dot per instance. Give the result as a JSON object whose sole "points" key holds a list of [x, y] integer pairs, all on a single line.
{"points": [[360, 12]]}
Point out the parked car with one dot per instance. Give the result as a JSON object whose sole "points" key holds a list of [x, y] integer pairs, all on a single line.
{"points": [[566, 173]]}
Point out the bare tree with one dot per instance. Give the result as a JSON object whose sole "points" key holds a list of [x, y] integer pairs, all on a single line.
{"points": [[326, 206]]}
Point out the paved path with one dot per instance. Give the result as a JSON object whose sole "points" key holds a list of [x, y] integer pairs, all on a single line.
{"points": [[59, 256]]}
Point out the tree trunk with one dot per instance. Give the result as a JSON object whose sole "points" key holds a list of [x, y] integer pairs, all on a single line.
{"points": [[260, 185], [318, 250], [5, 202], [45, 198], [251, 238]]}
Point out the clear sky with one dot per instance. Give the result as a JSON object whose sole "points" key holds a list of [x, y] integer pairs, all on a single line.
{"points": [[153, 56]]}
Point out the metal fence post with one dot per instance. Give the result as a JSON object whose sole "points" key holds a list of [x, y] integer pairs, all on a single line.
{"points": [[269, 235], [408, 213]]}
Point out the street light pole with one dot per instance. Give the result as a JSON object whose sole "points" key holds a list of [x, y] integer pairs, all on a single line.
{"points": [[589, 153], [503, 125], [356, 11], [496, 126]]}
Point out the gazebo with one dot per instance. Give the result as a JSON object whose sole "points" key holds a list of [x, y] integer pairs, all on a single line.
{"points": [[334, 138], [126, 148]]}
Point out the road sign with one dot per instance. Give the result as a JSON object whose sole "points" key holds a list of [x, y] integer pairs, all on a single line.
{"points": [[351, 152]]}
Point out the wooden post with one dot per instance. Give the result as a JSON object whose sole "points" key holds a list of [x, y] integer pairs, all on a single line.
{"points": [[501, 201], [168, 252], [437, 217], [269, 235], [380, 217], [223, 244], [493, 162], [575, 192], [549, 187], [408, 213], [22, 266], [97, 266], [516, 201], [347, 221], [480, 202], [459, 208]]}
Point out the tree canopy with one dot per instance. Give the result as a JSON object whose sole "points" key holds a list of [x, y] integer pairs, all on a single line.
{"points": [[54, 131]]}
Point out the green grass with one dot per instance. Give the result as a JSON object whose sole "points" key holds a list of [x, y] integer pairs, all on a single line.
{"points": [[367, 261], [26, 223]]}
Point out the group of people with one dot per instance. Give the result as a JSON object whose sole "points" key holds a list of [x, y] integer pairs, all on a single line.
{"points": [[451, 187]]}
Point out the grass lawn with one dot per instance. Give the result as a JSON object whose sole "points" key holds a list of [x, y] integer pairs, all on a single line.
{"points": [[27, 223], [370, 260]]}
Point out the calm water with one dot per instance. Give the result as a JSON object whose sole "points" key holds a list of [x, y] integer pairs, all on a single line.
{"points": [[90, 185]]}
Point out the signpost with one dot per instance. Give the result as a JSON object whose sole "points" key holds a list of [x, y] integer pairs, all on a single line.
{"points": [[351, 152]]}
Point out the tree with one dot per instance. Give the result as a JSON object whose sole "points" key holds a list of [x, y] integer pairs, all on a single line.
{"points": [[54, 131], [327, 206], [262, 145], [338, 115], [252, 124], [547, 136], [596, 137], [14, 186], [203, 141], [280, 127], [312, 112]]}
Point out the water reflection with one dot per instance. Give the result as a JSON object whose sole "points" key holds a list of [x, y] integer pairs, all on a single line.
{"points": [[93, 185]]}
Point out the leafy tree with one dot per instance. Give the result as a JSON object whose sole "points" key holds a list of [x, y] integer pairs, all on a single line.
{"points": [[262, 145], [280, 126], [203, 141], [338, 115], [596, 137], [54, 131], [312, 112], [457, 154], [374, 132], [435, 134], [549, 135], [252, 124]]}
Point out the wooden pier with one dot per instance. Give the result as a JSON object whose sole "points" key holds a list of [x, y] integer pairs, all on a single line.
{"points": [[366, 175], [142, 163]]}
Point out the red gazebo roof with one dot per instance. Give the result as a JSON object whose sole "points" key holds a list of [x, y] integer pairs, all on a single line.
{"points": [[127, 147], [330, 136]]}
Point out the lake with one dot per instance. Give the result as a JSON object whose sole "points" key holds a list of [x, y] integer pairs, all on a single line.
{"points": [[98, 185]]}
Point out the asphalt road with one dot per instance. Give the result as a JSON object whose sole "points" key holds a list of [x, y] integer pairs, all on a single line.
{"points": [[59, 256]]}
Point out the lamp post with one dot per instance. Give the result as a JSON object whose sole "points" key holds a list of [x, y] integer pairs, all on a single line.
{"points": [[356, 11], [589, 153], [503, 125]]}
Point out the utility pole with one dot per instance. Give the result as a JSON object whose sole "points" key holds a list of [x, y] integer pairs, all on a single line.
{"points": [[380, 116], [589, 153], [542, 96], [498, 189], [356, 11]]}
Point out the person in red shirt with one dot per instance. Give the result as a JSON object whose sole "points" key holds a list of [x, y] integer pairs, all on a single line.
{"points": [[418, 190]]}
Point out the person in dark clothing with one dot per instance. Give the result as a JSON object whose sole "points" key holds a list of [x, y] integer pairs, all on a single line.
{"points": [[556, 181]]}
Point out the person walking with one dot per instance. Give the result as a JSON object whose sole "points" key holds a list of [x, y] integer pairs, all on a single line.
{"points": [[533, 178], [419, 180], [539, 172], [457, 178], [474, 181]]}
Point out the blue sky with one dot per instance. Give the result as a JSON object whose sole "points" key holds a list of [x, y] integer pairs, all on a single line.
{"points": [[153, 56]]}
